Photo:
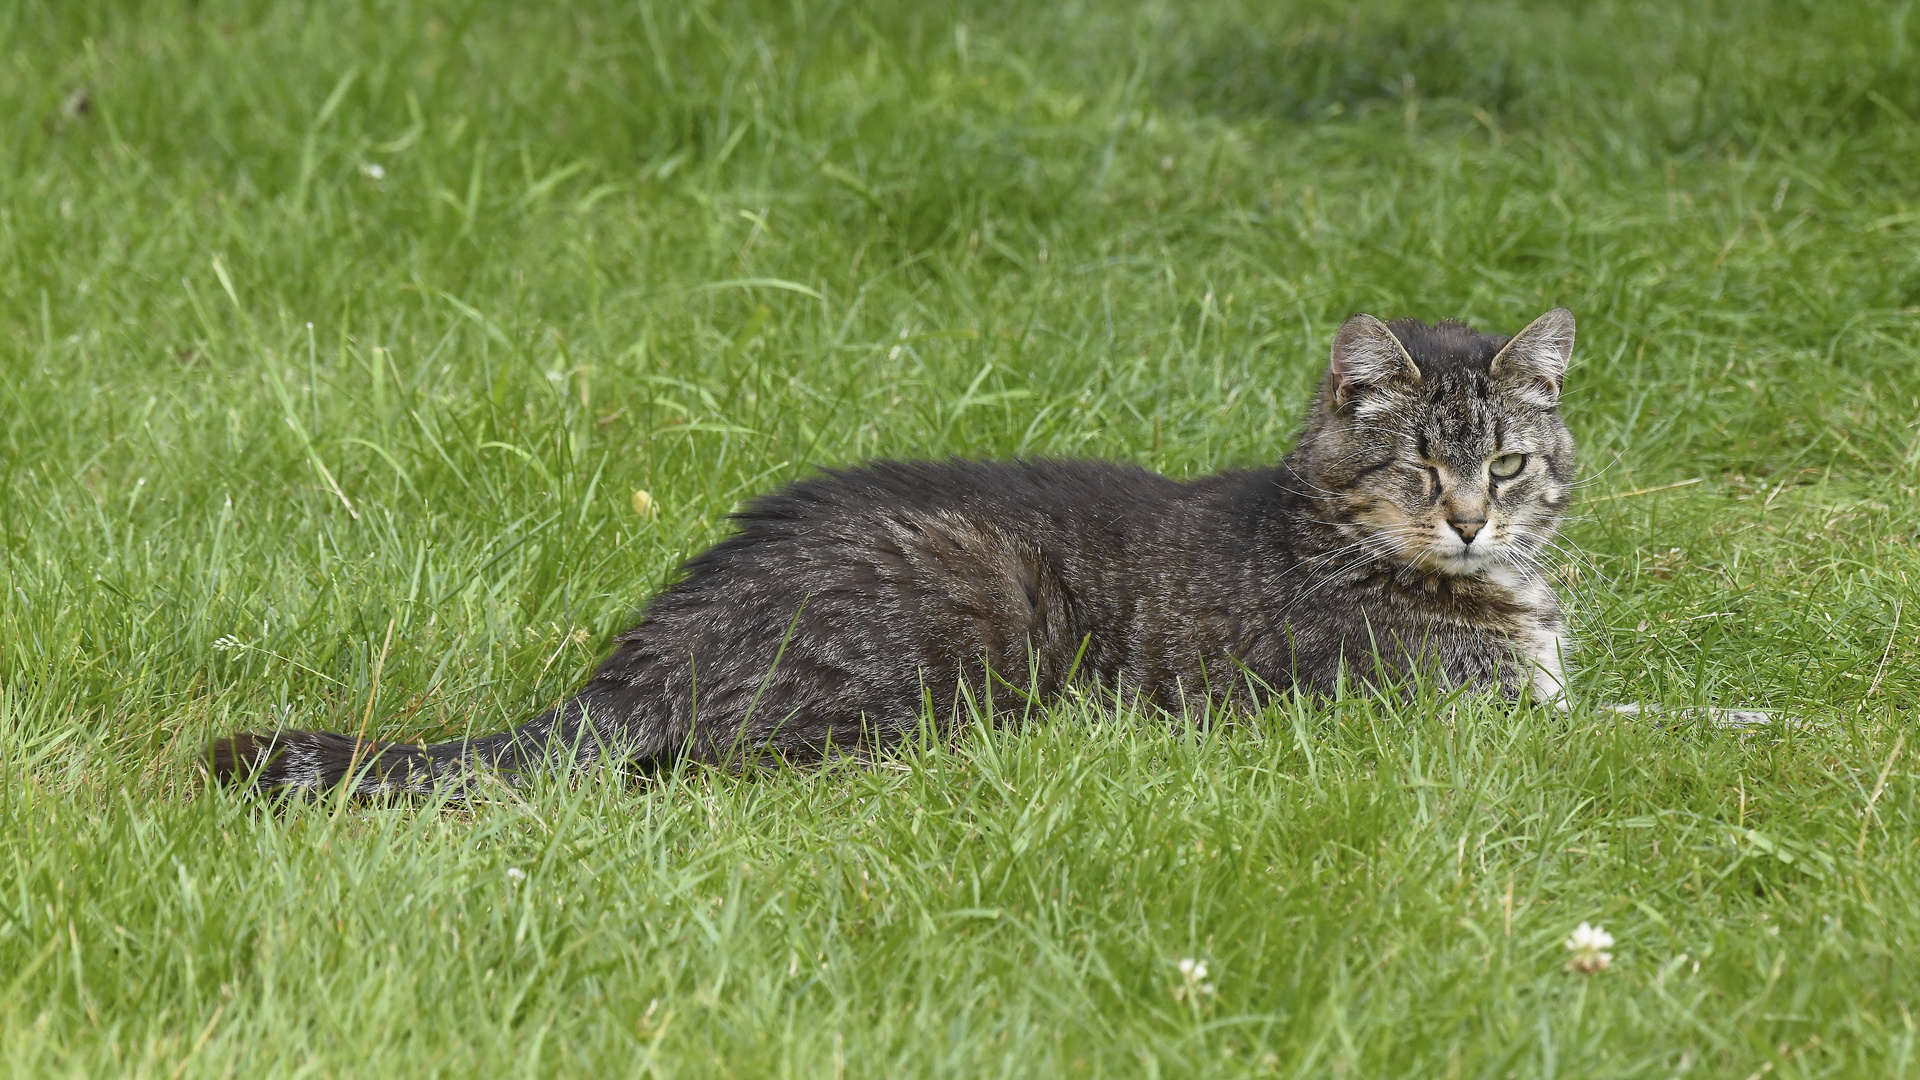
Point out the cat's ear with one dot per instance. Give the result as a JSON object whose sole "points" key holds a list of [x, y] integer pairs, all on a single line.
{"points": [[1535, 361], [1366, 355]]}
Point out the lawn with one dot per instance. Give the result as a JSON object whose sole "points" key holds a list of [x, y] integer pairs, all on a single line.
{"points": [[368, 365]]}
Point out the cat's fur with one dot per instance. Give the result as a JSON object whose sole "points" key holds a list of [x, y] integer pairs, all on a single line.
{"points": [[850, 606]]}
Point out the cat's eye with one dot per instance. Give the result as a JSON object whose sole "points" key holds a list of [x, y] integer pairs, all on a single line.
{"points": [[1506, 465]]}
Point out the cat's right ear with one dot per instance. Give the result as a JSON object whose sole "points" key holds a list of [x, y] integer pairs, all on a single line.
{"points": [[1367, 355]]}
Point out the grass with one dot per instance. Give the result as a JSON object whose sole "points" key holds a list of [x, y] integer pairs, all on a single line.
{"points": [[338, 339]]}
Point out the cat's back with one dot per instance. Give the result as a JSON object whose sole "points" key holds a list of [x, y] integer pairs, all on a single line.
{"points": [[938, 564], [1031, 498]]}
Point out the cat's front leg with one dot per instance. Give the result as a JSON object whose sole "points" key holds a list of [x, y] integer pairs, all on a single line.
{"points": [[1544, 655]]}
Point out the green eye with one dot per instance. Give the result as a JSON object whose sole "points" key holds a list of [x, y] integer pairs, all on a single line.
{"points": [[1506, 465]]}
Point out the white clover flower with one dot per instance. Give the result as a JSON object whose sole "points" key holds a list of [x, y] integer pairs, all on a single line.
{"points": [[373, 171], [1589, 945], [514, 873], [1193, 981]]}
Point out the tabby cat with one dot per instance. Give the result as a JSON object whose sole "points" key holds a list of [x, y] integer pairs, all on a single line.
{"points": [[1402, 538]]}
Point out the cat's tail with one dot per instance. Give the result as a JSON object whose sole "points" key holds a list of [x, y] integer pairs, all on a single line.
{"points": [[311, 762], [295, 762]]}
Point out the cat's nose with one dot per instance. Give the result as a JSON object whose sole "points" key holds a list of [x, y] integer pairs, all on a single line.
{"points": [[1468, 528]]}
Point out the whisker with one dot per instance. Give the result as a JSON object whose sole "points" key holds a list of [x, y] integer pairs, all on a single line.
{"points": [[1596, 476], [1341, 550], [1391, 546]]}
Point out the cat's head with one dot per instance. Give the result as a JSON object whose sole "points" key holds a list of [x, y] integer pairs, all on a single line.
{"points": [[1441, 447]]}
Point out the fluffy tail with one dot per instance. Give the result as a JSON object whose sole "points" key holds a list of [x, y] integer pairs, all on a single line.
{"points": [[292, 762], [566, 738]]}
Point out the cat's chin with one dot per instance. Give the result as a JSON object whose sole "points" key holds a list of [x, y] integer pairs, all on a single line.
{"points": [[1461, 564]]}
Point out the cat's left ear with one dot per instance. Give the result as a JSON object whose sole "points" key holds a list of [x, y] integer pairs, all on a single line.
{"points": [[1367, 355], [1535, 361]]}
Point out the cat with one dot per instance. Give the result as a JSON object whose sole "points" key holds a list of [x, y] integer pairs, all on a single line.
{"points": [[1402, 538]]}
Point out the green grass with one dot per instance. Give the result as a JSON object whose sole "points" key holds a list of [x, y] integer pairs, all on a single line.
{"points": [[319, 325]]}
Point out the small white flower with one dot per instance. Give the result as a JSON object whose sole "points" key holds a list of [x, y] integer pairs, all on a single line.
{"points": [[228, 643], [372, 170], [1589, 945], [514, 873], [1194, 984]]}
